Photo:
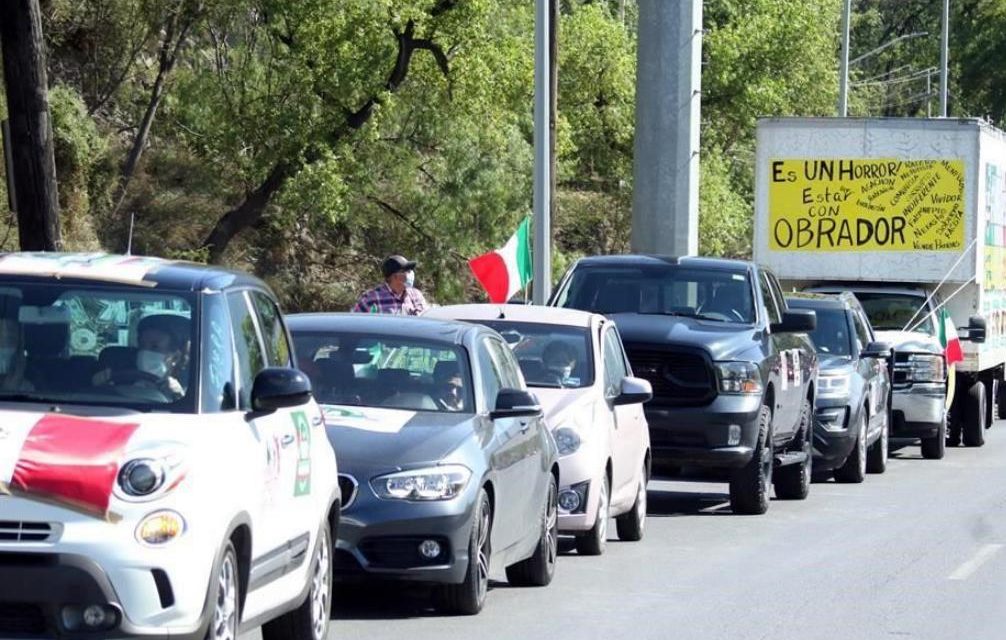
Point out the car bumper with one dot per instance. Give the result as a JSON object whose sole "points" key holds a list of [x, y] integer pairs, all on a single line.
{"points": [[381, 538], [581, 473], [918, 411], [701, 436], [833, 439]]}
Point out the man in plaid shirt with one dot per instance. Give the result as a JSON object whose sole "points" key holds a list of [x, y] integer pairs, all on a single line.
{"points": [[396, 295]]}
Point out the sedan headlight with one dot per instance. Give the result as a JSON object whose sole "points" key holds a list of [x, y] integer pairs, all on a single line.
{"points": [[567, 440], [433, 483], [834, 385], [926, 368], [739, 377]]}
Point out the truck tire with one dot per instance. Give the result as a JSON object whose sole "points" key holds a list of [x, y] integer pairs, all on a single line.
{"points": [[1001, 398], [749, 485], [974, 416], [854, 469], [792, 482], [936, 447]]}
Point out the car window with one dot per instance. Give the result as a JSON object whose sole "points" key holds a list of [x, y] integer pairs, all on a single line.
{"points": [[507, 365], [277, 347], [862, 331], [614, 363], [218, 356], [396, 372], [492, 378], [892, 311], [771, 304], [247, 346], [832, 335], [549, 355]]}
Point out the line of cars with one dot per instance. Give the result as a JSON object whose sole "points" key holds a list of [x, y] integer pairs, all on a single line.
{"points": [[179, 459]]}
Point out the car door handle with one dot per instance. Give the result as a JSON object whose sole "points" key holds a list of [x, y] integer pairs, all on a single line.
{"points": [[525, 427], [287, 440]]}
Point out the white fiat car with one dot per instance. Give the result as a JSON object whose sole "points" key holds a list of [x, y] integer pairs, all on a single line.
{"points": [[164, 471], [574, 362]]}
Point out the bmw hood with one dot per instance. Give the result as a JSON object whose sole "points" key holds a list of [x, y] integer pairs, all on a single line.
{"points": [[375, 438], [722, 340], [911, 341], [560, 405]]}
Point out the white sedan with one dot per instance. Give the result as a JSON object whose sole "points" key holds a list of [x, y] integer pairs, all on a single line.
{"points": [[575, 364]]}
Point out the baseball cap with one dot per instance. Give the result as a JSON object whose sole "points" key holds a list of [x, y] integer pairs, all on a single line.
{"points": [[396, 264]]}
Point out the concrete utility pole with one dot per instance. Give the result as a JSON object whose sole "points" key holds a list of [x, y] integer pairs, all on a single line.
{"points": [[843, 77], [944, 54], [542, 248], [665, 201]]}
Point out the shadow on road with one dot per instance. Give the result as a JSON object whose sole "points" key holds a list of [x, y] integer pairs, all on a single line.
{"points": [[381, 601]]}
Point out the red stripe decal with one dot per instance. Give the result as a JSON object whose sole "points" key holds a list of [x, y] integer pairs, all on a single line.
{"points": [[72, 461]]}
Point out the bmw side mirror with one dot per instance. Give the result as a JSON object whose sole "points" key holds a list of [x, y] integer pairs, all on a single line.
{"points": [[279, 388], [515, 403], [796, 321], [975, 330], [880, 350], [634, 391]]}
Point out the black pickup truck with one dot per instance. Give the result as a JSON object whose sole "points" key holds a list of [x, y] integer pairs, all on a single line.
{"points": [[732, 369]]}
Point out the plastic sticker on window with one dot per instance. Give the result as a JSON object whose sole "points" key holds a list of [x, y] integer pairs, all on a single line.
{"points": [[302, 484]]}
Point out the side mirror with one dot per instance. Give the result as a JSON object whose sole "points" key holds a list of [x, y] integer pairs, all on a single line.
{"points": [[880, 350], [634, 391], [796, 321], [278, 388], [515, 403], [976, 330]]}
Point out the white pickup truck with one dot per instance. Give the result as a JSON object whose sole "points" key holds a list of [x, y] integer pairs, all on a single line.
{"points": [[910, 215]]}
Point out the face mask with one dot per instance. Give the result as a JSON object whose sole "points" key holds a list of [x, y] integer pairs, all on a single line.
{"points": [[6, 359], [561, 371], [410, 279], [152, 362]]}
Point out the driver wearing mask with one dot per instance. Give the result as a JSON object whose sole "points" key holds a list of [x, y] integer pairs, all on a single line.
{"points": [[161, 357], [559, 360]]}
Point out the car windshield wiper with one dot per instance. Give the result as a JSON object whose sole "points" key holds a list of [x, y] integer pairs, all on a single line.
{"points": [[544, 385], [680, 314], [26, 397]]}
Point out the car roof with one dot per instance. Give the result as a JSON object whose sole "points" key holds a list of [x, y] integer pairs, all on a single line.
{"points": [[628, 260], [445, 331], [905, 290], [516, 313], [810, 300], [121, 269]]}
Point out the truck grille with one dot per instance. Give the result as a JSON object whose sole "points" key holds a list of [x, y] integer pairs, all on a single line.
{"points": [[21, 620], [679, 377], [348, 488], [20, 531], [901, 376]]}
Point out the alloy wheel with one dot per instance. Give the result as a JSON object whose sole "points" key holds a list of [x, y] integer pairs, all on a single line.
{"points": [[482, 541], [226, 609], [321, 588], [602, 513], [552, 527]]}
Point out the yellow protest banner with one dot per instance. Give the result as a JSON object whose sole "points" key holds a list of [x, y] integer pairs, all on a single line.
{"points": [[869, 204]]}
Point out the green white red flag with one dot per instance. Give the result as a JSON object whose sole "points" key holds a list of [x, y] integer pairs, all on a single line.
{"points": [[949, 339], [506, 271]]}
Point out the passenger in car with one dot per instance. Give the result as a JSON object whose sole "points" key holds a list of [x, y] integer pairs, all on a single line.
{"points": [[161, 356], [12, 357], [560, 360], [449, 388]]}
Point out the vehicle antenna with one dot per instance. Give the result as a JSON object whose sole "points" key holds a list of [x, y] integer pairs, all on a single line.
{"points": [[129, 241]]}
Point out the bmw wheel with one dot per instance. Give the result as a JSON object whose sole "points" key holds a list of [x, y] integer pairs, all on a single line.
{"points": [[537, 571], [469, 597]]}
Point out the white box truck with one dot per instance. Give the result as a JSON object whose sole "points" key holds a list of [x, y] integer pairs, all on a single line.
{"points": [[910, 215]]}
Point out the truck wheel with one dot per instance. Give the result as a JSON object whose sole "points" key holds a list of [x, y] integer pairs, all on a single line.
{"points": [[310, 620], [854, 469], [990, 394], [749, 485], [1001, 398], [792, 482], [934, 448], [876, 457], [974, 416]]}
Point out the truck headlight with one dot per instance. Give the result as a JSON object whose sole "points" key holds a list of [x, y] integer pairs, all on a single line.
{"points": [[926, 368], [567, 440], [433, 483], [834, 385], [739, 377]]}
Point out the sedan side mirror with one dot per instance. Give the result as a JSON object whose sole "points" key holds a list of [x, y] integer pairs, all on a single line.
{"points": [[976, 330], [515, 403], [880, 350], [634, 391], [796, 321], [278, 388]]}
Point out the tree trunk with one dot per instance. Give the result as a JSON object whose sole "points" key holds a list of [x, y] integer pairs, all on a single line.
{"points": [[247, 214], [37, 200]]}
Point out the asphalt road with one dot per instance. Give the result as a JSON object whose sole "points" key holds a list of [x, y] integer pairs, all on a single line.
{"points": [[915, 553]]}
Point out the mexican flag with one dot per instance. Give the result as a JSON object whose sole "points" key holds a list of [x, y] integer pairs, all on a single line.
{"points": [[506, 271], [949, 339]]}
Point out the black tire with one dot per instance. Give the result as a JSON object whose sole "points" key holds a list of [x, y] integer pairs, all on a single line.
{"points": [[990, 409], [876, 457], [631, 525], [310, 620], [1001, 398], [593, 542], [792, 482], [226, 596], [469, 597], [537, 571], [936, 447], [854, 468], [973, 429], [749, 485]]}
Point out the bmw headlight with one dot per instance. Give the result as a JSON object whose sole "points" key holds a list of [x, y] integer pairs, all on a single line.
{"points": [[567, 440], [834, 385], [433, 483], [926, 368], [739, 377]]}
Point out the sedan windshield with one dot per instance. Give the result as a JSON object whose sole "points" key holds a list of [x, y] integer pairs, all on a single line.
{"points": [[549, 355], [126, 347], [674, 290], [895, 312], [385, 371]]}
